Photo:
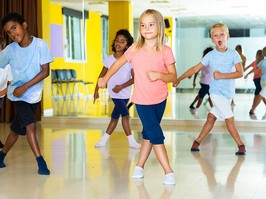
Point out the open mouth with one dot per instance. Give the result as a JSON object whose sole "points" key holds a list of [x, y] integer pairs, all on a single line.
{"points": [[219, 43]]}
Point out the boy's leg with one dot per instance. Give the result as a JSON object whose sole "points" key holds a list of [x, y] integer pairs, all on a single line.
{"points": [[34, 144], [230, 124], [207, 127], [10, 141]]}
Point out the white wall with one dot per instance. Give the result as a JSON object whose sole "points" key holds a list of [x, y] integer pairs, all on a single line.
{"points": [[190, 42]]}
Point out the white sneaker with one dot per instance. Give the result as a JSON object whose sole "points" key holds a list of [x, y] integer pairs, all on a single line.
{"points": [[100, 144], [169, 179], [138, 172]]}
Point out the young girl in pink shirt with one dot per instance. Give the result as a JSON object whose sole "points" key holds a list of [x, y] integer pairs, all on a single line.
{"points": [[154, 66]]}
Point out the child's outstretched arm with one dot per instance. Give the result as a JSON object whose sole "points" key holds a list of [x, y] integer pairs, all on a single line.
{"points": [[170, 76], [112, 70], [96, 93], [252, 71], [18, 92], [188, 73], [237, 74]]}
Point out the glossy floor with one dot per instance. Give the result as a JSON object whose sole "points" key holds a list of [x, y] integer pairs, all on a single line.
{"points": [[79, 170]]}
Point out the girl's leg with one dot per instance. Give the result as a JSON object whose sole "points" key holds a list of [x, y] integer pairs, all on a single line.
{"points": [[110, 129], [34, 144], [199, 102], [161, 154], [195, 100], [230, 124], [145, 151], [126, 126], [256, 101], [207, 127], [210, 102]]}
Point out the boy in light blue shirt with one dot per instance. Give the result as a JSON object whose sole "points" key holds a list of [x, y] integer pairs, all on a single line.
{"points": [[29, 58], [226, 66]]}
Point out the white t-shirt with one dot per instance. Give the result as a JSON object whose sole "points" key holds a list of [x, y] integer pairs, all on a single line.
{"points": [[5, 76]]}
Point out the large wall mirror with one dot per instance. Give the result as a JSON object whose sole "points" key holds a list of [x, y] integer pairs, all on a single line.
{"points": [[190, 37]]}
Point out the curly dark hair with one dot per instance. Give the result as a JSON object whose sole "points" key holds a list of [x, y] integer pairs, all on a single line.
{"points": [[127, 35], [13, 16]]}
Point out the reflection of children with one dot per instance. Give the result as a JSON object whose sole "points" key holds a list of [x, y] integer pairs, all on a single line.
{"points": [[257, 81], [204, 83], [5, 78], [119, 88], [154, 65], [225, 64], [29, 58], [262, 66]]}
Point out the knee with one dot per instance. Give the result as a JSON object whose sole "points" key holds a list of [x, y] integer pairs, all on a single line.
{"points": [[31, 127], [230, 120], [211, 118]]}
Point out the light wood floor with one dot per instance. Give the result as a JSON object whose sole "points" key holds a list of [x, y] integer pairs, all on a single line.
{"points": [[81, 171]]}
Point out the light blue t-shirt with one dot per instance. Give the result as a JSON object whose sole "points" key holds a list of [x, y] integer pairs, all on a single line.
{"points": [[262, 65], [25, 65], [223, 62]]}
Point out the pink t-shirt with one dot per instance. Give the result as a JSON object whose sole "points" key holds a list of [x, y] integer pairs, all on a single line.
{"points": [[146, 92]]}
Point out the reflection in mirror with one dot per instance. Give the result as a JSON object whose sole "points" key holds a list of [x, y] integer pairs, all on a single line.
{"points": [[85, 46]]}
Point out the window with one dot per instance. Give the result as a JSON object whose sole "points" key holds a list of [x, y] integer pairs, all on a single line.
{"points": [[74, 27], [105, 42]]}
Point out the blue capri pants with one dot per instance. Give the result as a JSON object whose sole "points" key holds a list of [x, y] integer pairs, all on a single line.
{"points": [[120, 108], [151, 116]]}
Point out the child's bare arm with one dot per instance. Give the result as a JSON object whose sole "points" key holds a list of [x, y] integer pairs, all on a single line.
{"points": [[18, 92], [188, 73], [237, 74], [170, 76]]}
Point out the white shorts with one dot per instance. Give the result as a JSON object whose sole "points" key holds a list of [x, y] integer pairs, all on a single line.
{"points": [[263, 88], [221, 107]]}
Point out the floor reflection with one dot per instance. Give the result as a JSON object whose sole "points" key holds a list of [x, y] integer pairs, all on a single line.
{"points": [[78, 170]]}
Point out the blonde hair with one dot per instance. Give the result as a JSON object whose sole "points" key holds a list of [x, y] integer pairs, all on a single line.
{"points": [[2, 42], [220, 25], [159, 20]]}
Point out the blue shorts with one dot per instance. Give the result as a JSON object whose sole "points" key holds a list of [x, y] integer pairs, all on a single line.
{"points": [[120, 108], [204, 90], [257, 85], [25, 115], [151, 116]]}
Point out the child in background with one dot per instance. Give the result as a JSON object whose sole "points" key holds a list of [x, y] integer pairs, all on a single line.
{"points": [[204, 83], [226, 66], [261, 66], [29, 59], [5, 78], [119, 88], [256, 80], [154, 65]]}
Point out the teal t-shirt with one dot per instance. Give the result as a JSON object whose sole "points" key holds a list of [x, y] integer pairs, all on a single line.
{"points": [[25, 65]]}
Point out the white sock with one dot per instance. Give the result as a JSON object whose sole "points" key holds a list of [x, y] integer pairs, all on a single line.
{"points": [[169, 179], [138, 172], [132, 142], [103, 140]]}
